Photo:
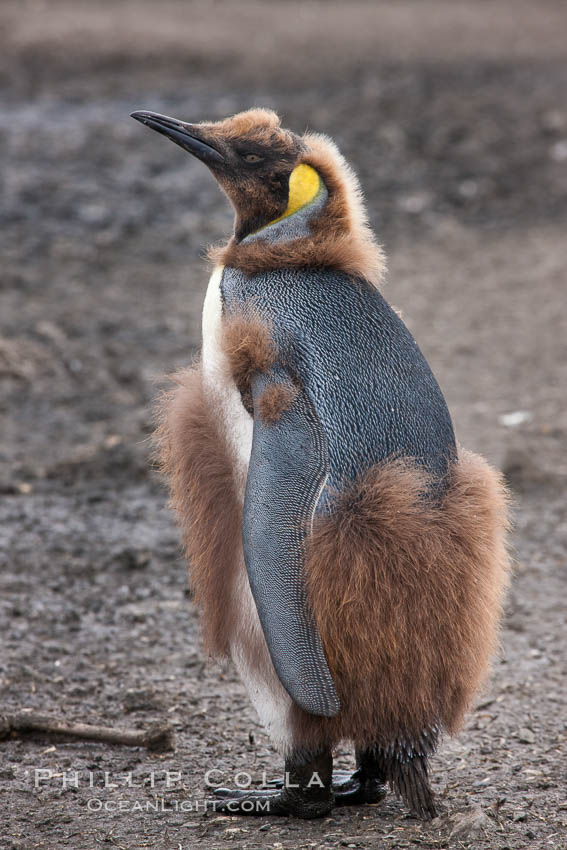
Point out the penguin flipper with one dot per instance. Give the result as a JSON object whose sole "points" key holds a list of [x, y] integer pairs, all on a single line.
{"points": [[288, 468]]}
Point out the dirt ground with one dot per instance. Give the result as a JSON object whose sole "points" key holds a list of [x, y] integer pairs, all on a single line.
{"points": [[455, 117]]}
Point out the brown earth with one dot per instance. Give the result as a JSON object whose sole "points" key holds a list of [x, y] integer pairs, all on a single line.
{"points": [[454, 115]]}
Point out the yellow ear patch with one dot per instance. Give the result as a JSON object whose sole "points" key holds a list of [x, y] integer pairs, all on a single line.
{"points": [[304, 184]]}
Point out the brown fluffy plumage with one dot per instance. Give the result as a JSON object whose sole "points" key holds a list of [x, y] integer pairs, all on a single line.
{"points": [[341, 237], [406, 594], [256, 123], [194, 458], [275, 400], [249, 348]]}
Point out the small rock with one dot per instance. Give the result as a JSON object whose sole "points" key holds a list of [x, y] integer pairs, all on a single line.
{"points": [[93, 213], [558, 152], [133, 559], [468, 189], [112, 440], [24, 487], [141, 700], [416, 203], [516, 418], [526, 736], [469, 823]]}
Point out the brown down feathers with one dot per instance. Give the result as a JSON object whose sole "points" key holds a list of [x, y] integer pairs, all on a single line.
{"points": [[194, 459], [275, 400], [340, 239], [406, 594], [249, 348], [407, 597]]}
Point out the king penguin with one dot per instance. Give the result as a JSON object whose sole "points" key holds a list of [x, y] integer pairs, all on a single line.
{"points": [[345, 552]]}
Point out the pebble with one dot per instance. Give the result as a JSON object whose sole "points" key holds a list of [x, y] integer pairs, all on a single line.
{"points": [[144, 699], [516, 418], [526, 736], [469, 823], [7, 773]]}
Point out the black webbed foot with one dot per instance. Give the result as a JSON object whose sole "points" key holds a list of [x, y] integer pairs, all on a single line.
{"points": [[270, 802], [351, 789], [247, 802], [307, 792], [357, 788]]}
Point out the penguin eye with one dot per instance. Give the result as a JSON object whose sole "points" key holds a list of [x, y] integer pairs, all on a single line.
{"points": [[252, 157]]}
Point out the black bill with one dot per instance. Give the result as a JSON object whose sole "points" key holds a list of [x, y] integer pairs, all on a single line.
{"points": [[187, 136]]}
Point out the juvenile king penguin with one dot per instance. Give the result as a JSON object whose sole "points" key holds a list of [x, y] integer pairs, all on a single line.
{"points": [[344, 551]]}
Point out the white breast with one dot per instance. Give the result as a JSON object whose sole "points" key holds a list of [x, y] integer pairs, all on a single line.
{"points": [[223, 395]]}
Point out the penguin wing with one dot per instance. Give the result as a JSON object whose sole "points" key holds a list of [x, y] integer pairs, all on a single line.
{"points": [[288, 468]]}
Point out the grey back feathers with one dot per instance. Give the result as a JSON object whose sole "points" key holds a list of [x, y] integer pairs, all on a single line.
{"points": [[371, 387]]}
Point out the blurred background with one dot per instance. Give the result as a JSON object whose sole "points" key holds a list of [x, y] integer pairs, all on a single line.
{"points": [[454, 115]]}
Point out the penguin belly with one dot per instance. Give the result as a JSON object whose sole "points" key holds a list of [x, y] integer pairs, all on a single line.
{"points": [[247, 645]]}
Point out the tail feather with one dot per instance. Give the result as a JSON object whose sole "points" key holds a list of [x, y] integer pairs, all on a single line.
{"points": [[409, 779], [403, 765]]}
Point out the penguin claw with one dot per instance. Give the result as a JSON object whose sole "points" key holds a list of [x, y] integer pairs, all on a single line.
{"points": [[241, 793]]}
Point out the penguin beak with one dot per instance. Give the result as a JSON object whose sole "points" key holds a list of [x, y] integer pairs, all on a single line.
{"points": [[191, 137]]}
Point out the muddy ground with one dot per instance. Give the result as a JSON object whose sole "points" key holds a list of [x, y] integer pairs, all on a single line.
{"points": [[455, 117]]}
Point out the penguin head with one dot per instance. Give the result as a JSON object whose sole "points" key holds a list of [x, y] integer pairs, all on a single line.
{"points": [[251, 156], [269, 174]]}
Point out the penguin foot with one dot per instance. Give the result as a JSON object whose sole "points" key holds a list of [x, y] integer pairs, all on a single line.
{"points": [[307, 792], [357, 789], [351, 789], [271, 802]]}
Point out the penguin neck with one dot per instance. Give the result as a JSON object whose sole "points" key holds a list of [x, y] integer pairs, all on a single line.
{"points": [[304, 186], [307, 197]]}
